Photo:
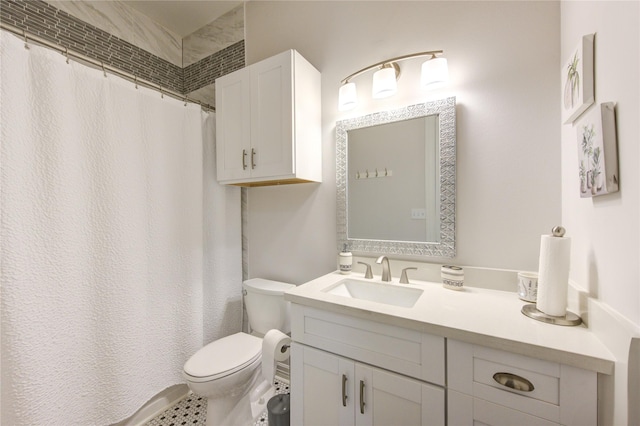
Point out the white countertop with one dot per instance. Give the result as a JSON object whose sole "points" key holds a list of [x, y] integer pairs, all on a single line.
{"points": [[489, 318]]}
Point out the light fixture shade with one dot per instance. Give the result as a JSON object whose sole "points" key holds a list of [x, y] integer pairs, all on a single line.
{"points": [[435, 72], [347, 97], [384, 83]]}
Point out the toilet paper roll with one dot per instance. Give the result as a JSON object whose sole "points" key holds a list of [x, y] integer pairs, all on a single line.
{"points": [[553, 275], [275, 347]]}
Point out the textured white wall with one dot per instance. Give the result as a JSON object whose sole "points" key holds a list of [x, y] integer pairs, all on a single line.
{"points": [[606, 229], [503, 60]]}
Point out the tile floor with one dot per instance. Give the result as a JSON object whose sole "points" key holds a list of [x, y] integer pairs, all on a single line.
{"points": [[192, 410]]}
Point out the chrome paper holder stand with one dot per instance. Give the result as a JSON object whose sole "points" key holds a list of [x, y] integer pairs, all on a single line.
{"points": [[569, 319]]}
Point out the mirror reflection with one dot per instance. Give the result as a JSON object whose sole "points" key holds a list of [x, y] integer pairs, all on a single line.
{"points": [[392, 184], [396, 181]]}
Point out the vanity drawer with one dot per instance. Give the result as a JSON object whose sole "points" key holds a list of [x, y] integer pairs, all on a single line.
{"points": [[547, 390], [508, 378], [393, 348]]}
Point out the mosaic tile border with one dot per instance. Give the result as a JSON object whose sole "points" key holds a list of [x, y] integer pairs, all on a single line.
{"points": [[205, 71], [127, 23], [43, 20], [55, 25]]}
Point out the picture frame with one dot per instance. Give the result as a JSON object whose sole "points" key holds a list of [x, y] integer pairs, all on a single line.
{"points": [[577, 80], [598, 151]]}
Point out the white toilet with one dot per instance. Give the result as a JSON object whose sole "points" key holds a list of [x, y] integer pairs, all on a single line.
{"points": [[227, 371]]}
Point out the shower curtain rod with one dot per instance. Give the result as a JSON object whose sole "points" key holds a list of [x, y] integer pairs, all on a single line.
{"points": [[76, 55]]}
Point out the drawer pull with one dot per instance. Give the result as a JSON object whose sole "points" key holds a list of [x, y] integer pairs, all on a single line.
{"points": [[344, 390], [244, 156], [362, 404], [514, 382], [253, 163]]}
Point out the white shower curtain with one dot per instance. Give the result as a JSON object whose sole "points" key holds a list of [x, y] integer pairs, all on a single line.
{"points": [[104, 240]]}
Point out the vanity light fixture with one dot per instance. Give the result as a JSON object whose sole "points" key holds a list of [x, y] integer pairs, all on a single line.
{"points": [[385, 81], [434, 72]]}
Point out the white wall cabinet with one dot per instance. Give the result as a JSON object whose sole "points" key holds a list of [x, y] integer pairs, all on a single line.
{"points": [[268, 123], [332, 390]]}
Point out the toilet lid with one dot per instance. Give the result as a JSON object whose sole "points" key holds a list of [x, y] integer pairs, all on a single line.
{"points": [[260, 285], [224, 356]]}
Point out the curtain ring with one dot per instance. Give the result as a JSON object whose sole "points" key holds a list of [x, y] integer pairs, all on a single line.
{"points": [[66, 53], [161, 93], [103, 70], [26, 40], [135, 80], [186, 99]]}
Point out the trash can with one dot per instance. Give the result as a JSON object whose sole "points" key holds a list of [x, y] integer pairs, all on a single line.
{"points": [[279, 411]]}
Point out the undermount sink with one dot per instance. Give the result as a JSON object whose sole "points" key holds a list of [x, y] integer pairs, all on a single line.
{"points": [[389, 294]]}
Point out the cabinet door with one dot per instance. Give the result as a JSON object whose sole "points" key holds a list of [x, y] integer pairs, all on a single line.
{"points": [[272, 116], [385, 398], [233, 130], [322, 388]]}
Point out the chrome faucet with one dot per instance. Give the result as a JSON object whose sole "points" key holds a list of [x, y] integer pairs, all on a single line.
{"points": [[386, 270]]}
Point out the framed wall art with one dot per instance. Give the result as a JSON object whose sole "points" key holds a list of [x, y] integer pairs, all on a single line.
{"points": [[577, 80], [598, 151]]}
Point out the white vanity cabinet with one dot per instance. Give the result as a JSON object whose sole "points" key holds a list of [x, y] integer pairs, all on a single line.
{"points": [[335, 390], [491, 387], [447, 359], [268, 128], [350, 371]]}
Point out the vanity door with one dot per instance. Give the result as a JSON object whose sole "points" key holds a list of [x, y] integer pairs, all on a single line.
{"points": [[327, 389], [385, 398], [322, 388]]}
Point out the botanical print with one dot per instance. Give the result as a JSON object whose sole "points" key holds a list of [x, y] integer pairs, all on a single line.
{"points": [[572, 83], [590, 169], [596, 135], [577, 80]]}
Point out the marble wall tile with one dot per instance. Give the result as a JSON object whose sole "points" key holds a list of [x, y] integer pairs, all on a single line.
{"points": [[126, 23], [196, 80], [44, 20], [218, 35]]}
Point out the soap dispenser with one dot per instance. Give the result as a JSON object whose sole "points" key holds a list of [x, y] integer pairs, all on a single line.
{"points": [[345, 261]]}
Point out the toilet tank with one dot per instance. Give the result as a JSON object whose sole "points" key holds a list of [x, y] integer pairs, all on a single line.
{"points": [[266, 307]]}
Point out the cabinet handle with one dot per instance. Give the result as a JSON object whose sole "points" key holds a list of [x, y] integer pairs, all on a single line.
{"points": [[514, 382], [244, 156], [362, 404], [253, 153], [344, 390]]}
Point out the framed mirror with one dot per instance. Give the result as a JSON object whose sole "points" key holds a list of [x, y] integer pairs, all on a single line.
{"points": [[395, 177]]}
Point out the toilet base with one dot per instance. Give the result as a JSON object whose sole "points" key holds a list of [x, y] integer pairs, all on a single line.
{"points": [[229, 412], [245, 411], [260, 404]]}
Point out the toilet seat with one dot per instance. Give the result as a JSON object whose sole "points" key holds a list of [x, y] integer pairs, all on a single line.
{"points": [[223, 357]]}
